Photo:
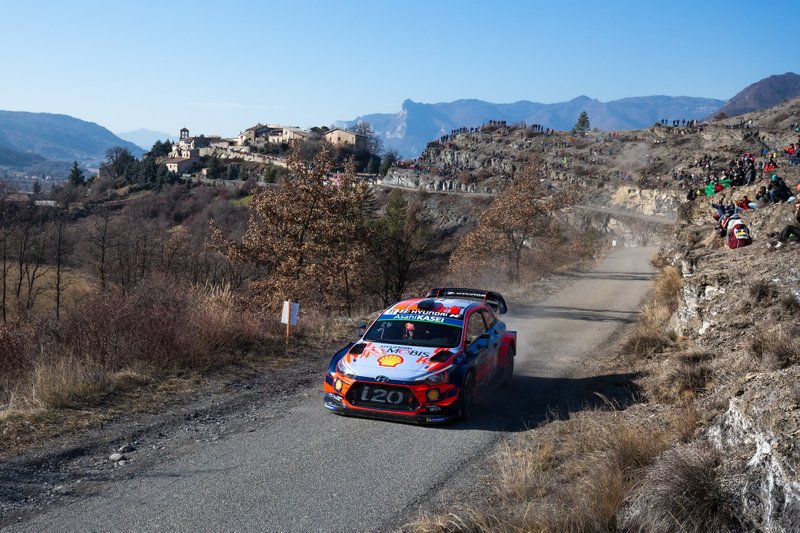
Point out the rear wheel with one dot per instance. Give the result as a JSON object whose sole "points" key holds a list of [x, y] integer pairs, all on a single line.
{"points": [[467, 394], [508, 370]]}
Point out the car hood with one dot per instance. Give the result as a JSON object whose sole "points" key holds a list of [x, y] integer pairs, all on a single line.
{"points": [[394, 361]]}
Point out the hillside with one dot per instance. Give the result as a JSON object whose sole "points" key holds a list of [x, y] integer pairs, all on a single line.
{"points": [[714, 357], [762, 94], [416, 124], [59, 137], [14, 158], [483, 160]]}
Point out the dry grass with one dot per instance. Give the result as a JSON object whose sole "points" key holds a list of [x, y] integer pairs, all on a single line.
{"points": [[790, 304], [461, 520], [66, 382], [75, 285], [648, 336], [682, 492], [681, 377], [569, 476], [776, 349], [113, 342], [684, 421], [667, 288], [763, 291]]}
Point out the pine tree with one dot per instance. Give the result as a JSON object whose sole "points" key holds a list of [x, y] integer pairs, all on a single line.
{"points": [[582, 125], [76, 176]]}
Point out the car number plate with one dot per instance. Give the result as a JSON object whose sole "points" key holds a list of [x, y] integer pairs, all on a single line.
{"points": [[382, 395]]}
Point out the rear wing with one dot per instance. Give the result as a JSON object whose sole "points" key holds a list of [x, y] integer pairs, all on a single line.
{"points": [[492, 299]]}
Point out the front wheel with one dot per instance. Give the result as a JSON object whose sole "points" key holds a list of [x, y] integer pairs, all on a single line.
{"points": [[467, 394], [508, 370]]}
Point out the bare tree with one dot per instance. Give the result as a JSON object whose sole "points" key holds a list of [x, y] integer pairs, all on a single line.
{"points": [[518, 217], [102, 240]]}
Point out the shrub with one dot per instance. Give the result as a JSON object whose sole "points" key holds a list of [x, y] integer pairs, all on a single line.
{"points": [[667, 288], [644, 340], [113, 340], [763, 290], [777, 349], [790, 304], [66, 382], [681, 377], [683, 492]]}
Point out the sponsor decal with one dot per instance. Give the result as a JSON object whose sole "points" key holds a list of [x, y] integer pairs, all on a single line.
{"points": [[423, 360], [390, 360], [403, 350], [408, 317], [430, 312]]}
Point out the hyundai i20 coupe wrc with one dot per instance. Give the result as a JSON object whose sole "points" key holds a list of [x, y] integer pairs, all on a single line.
{"points": [[424, 359]]}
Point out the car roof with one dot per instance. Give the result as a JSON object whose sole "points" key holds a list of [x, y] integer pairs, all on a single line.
{"points": [[443, 303]]}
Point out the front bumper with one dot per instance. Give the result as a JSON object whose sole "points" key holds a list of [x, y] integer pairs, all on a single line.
{"points": [[425, 411]]}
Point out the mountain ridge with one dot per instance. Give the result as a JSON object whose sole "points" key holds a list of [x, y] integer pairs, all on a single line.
{"points": [[416, 124], [59, 137], [763, 94]]}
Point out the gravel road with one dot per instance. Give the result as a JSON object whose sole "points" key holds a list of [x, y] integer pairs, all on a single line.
{"points": [[305, 469]]}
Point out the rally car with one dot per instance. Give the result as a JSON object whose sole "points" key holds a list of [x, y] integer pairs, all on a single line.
{"points": [[424, 360]]}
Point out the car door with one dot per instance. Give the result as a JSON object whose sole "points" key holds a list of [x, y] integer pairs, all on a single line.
{"points": [[478, 345], [495, 335]]}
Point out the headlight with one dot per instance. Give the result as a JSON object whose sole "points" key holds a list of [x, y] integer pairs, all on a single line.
{"points": [[344, 369], [435, 379]]}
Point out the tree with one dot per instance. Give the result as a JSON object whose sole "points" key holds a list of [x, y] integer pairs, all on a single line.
{"points": [[389, 159], [117, 161], [374, 143], [214, 170], [582, 125], [76, 176], [160, 149], [37, 187], [518, 217], [401, 242], [306, 235], [318, 132]]}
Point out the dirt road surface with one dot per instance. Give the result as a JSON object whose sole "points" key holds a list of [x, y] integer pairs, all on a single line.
{"points": [[305, 469]]}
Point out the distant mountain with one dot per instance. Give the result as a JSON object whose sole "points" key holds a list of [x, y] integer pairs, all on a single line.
{"points": [[416, 124], [14, 158], [145, 139], [762, 94], [59, 137]]}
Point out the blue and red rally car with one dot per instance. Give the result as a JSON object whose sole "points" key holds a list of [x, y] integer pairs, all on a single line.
{"points": [[424, 359]]}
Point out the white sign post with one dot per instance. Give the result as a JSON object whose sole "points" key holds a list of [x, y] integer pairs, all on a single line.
{"points": [[291, 310]]}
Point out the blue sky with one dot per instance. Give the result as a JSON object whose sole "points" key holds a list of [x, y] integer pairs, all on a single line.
{"points": [[220, 67]]}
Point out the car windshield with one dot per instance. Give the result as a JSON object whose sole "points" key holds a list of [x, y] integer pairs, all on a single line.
{"points": [[414, 333]]}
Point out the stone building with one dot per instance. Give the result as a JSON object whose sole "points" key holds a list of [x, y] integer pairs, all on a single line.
{"points": [[271, 133], [339, 137]]}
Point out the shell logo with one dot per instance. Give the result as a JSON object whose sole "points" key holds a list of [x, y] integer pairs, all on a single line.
{"points": [[390, 360]]}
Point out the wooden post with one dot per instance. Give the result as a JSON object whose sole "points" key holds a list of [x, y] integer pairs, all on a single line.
{"points": [[291, 310]]}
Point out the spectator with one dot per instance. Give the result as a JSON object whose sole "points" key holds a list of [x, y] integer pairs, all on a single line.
{"points": [[777, 190], [762, 198], [745, 203]]}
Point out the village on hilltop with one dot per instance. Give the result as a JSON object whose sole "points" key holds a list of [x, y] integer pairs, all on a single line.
{"points": [[187, 153]]}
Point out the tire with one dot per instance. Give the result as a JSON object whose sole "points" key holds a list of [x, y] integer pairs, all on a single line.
{"points": [[508, 370], [466, 401]]}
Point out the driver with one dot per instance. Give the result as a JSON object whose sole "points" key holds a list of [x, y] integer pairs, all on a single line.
{"points": [[409, 331]]}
